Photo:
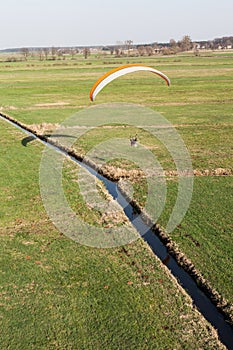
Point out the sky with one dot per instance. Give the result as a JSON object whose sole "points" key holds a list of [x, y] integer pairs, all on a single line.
{"points": [[46, 23]]}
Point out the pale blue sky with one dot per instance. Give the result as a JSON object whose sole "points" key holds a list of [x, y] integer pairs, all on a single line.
{"points": [[92, 22]]}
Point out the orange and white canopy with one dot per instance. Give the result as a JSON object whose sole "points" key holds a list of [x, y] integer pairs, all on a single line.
{"points": [[118, 72]]}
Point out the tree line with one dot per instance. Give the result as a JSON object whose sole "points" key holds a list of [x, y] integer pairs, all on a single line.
{"points": [[172, 47], [126, 48]]}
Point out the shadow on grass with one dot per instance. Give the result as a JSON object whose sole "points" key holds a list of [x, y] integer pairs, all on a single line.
{"points": [[28, 139]]}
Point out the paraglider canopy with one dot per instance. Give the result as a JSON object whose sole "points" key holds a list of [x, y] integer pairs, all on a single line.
{"points": [[118, 72]]}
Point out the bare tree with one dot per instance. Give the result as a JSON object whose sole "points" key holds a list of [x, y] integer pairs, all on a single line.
{"points": [[149, 50], [166, 50], [117, 51], [41, 55], [73, 52], [61, 54], [86, 52], [186, 43], [25, 52], [119, 48], [54, 52], [173, 43], [46, 52], [173, 46], [128, 45], [141, 50]]}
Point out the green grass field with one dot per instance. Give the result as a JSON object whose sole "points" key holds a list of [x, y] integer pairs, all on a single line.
{"points": [[57, 294], [65, 296]]}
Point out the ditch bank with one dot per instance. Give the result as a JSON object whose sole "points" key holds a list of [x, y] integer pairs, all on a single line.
{"points": [[208, 301]]}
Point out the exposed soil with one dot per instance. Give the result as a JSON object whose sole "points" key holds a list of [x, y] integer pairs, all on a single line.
{"points": [[54, 104], [41, 128]]}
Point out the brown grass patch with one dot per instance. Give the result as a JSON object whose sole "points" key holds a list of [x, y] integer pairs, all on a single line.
{"points": [[54, 104]]}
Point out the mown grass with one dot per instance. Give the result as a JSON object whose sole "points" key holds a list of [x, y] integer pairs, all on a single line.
{"points": [[205, 233], [57, 294], [199, 104]]}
